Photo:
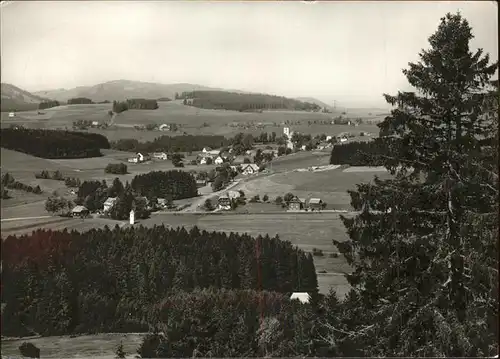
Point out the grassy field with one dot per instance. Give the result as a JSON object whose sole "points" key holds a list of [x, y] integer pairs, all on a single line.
{"points": [[100, 346], [307, 231], [192, 120]]}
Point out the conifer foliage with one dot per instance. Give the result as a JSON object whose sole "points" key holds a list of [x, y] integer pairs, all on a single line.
{"points": [[424, 246], [108, 280]]}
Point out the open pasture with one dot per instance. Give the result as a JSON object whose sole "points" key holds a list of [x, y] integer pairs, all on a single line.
{"points": [[101, 346], [56, 224]]}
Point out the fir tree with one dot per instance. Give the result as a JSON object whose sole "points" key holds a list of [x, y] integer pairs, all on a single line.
{"points": [[423, 247]]}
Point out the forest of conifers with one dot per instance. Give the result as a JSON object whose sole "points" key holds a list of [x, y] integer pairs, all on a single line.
{"points": [[111, 280], [185, 143], [245, 102], [54, 143]]}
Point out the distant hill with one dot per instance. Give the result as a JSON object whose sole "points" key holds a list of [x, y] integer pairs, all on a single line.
{"points": [[15, 99], [123, 89]]}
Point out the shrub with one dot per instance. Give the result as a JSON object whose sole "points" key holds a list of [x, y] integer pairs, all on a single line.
{"points": [[265, 198], [29, 350], [317, 252]]}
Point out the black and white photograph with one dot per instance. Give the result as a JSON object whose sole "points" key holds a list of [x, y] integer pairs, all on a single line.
{"points": [[249, 179]]}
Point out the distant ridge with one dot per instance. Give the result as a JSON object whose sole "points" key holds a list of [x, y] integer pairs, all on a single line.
{"points": [[14, 98], [122, 89]]}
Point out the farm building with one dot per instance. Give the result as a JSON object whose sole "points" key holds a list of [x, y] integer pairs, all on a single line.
{"points": [[296, 204], [201, 183], [224, 203], [303, 297], [213, 153], [164, 127], [219, 160], [204, 160], [162, 202], [12, 114], [109, 204], [315, 203], [206, 149], [140, 157], [95, 123], [160, 155], [80, 211], [249, 169]]}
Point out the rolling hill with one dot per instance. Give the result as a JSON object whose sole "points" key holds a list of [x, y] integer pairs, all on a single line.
{"points": [[121, 90], [16, 99]]}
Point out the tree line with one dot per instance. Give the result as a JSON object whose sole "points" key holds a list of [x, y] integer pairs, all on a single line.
{"points": [[224, 100], [368, 153], [48, 104], [135, 104], [54, 143], [107, 280], [8, 181], [161, 184], [185, 143], [80, 101]]}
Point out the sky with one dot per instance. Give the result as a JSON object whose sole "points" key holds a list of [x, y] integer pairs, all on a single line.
{"points": [[348, 52]]}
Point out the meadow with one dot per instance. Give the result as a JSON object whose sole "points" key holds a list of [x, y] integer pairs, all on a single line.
{"points": [[100, 346], [192, 120]]}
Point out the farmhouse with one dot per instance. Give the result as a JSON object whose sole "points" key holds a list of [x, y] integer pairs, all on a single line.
{"points": [[249, 169], [109, 204], [219, 160], [343, 139], [315, 204], [164, 127], [303, 297], [80, 211], [95, 123], [296, 204], [12, 114], [160, 155]]}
